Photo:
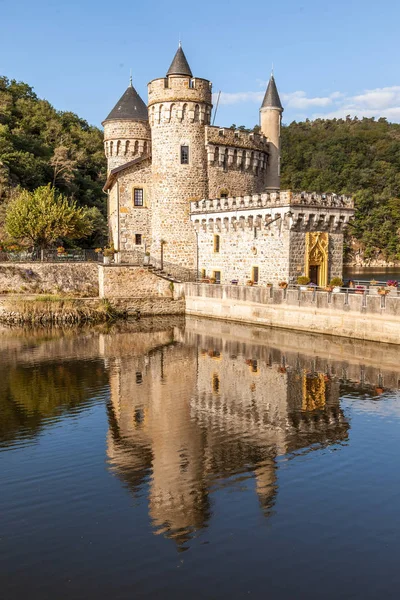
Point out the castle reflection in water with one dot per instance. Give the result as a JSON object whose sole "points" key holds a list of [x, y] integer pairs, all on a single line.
{"points": [[192, 406], [189, 410]]}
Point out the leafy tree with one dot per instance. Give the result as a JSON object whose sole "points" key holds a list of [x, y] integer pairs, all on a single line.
{"points": [[42, 217]]}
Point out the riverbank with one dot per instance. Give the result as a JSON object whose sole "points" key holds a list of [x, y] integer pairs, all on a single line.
{"points": [[51, 309]]}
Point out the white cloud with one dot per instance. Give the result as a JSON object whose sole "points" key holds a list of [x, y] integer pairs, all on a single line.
{"points": [[299, 100], [378, 102], [238, 97]]}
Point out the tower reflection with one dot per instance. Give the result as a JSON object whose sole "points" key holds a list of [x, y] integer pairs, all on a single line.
{"points": [[188, 414]]}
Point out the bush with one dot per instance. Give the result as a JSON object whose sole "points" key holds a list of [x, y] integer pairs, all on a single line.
{"points": [[303, 280], [336, 282]]}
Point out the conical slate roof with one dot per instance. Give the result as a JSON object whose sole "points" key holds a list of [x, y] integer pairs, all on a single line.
{"points": [[271, 98], [130, 107], [179, 65]]}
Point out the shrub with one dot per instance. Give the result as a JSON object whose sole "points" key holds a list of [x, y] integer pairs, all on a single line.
{"points": [[303, 280], [336, 282]]}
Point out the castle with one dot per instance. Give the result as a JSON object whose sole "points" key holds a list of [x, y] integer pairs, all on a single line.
{"points": [[207, 198]]}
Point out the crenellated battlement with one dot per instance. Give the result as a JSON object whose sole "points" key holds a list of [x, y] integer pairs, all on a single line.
{"points": [[179, 112], [222, 136], [125, 140], [272, 200], [180, 89]]}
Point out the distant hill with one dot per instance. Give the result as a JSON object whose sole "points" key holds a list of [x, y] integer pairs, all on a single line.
{"points": [[351, 156]]}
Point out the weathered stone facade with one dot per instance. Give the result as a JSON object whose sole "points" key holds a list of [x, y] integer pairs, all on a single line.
{"points": [[263, 237], [170, 156], [74, 279]]}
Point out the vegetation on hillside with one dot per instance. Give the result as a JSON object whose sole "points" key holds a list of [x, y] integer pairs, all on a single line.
{"points": [[356, 157], [359, 157], [40, 145]]}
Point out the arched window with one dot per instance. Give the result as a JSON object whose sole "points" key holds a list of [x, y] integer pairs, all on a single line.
{"points": [[216, 244], [196, 113], [184, 111]]}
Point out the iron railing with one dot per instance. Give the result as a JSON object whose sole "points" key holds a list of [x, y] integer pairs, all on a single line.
{"points": [[158, 265], [76, 255]]}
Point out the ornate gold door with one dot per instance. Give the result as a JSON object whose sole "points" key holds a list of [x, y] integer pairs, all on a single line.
{"points": [[317, 243]]}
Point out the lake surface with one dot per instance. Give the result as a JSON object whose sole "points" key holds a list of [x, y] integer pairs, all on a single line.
{"points": [[372, 273], [198, 459]]}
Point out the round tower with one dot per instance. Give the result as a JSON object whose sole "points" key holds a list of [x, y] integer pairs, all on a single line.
{"points": [[270, 121], [179, 109], [126, 130]]}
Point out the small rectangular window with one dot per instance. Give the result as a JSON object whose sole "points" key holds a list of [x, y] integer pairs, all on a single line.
{"points": [[216, 243], [138, 197], [203, 273], [217, 276], [138, 239], [255, 274], [184, 155]]}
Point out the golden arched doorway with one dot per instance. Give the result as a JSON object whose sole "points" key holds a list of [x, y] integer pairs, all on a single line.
{"points": [[316, 263]]}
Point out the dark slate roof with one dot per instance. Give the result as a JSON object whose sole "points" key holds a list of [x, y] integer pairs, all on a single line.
{"points": [[180, 65], [271, 98], [129, 106]]}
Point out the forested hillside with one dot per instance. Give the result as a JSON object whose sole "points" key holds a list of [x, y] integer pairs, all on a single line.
{"points": [[350, 156], [40, 145]]}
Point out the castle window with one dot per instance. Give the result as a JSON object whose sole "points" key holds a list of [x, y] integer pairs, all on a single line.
{"points": [[223, 194], [255, 274], [138, 197], [203, 274], [138, 239], [191, 84], [184, 155], [217, 276], [216, 243], [215, 383]]}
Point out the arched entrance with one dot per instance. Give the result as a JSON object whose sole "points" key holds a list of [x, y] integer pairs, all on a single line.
{"points": [[316, 260]]}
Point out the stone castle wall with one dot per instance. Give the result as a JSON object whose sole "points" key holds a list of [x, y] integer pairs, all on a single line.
{"points": [[130, 220], [125, 141], [78, 279], [175, 123], [298, 253], [240, 251]]}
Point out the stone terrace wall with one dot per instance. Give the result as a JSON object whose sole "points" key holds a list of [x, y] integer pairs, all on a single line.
{"points": [[136, 289], [78, 279], [361, 317]]}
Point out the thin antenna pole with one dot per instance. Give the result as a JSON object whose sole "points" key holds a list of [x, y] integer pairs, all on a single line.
{"points": [[216, 108], [130, 76]]}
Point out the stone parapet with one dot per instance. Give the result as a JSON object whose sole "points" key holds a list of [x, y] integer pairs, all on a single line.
{"points": [[356, 316], [222, 136], [274, 199], [172, 89]]}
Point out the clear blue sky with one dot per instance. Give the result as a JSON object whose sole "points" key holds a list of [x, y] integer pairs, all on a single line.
{"points": [[330, 58]]}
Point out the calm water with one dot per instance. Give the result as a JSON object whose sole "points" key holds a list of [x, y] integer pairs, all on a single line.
{"points": [[370, 273], [202, 460]]}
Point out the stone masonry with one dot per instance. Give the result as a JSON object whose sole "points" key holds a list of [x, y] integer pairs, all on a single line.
{"points": [[166, 160]]}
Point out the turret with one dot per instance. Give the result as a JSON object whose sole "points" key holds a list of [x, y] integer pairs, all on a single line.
{"points": [[270, 120], [179, 109], [126, 130]]}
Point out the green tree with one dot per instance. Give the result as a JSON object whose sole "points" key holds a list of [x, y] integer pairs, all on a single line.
{"points": [[43, 217]]}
